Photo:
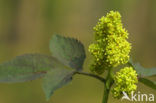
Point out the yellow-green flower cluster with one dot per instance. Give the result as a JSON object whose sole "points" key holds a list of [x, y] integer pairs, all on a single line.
{"points": [[125, 81], [111, 47]]}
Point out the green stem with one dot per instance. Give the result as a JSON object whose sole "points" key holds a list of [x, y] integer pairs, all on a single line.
{"points": [[91, 75], [105, 95], [130, 64], [107, 86], [107, 82]]}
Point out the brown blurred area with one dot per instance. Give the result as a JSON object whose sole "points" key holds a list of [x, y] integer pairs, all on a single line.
{"points": [[26, 26]]}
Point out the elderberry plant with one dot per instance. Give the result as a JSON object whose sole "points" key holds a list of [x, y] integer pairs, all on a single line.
{"points": [[110, 52]]}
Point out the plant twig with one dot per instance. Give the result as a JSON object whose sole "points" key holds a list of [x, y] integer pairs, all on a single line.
{"points": [[130, 64], [105, 94], [107, 86], [91, 75]]}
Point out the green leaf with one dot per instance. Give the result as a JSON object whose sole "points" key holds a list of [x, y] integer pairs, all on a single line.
{"points": [[26, 67], [143, 72], [68, 50], [55, 79], [148, 83]]}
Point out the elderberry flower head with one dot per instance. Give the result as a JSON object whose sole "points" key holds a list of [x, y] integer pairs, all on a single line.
{"points": [[111, 47], [125, 81]]}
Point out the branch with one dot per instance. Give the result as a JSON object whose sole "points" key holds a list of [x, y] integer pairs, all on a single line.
{"points": [[91, 75], [130, 64]]}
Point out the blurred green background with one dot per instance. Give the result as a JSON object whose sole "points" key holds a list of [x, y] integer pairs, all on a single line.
{"points": [[26, 26]]}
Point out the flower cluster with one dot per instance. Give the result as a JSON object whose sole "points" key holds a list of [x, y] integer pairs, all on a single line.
{"points": [[111, 47], [125, 81]]}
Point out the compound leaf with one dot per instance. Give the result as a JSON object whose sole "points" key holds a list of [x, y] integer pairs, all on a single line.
{"points": [[143, 72], [148, 83], [55, 79], [68, 50], [26, 67]]}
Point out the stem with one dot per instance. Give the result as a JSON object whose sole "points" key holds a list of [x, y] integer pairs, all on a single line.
{"points": [[107, 82], [130, 64], [91, 75], [107, 85], [105, 94]]}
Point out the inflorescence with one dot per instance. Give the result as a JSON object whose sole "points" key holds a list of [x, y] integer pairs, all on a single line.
{"points": [[125, 81], [111, 47]]}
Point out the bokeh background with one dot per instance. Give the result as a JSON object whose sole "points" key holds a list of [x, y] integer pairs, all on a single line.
{"points": [[26, 26]]}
